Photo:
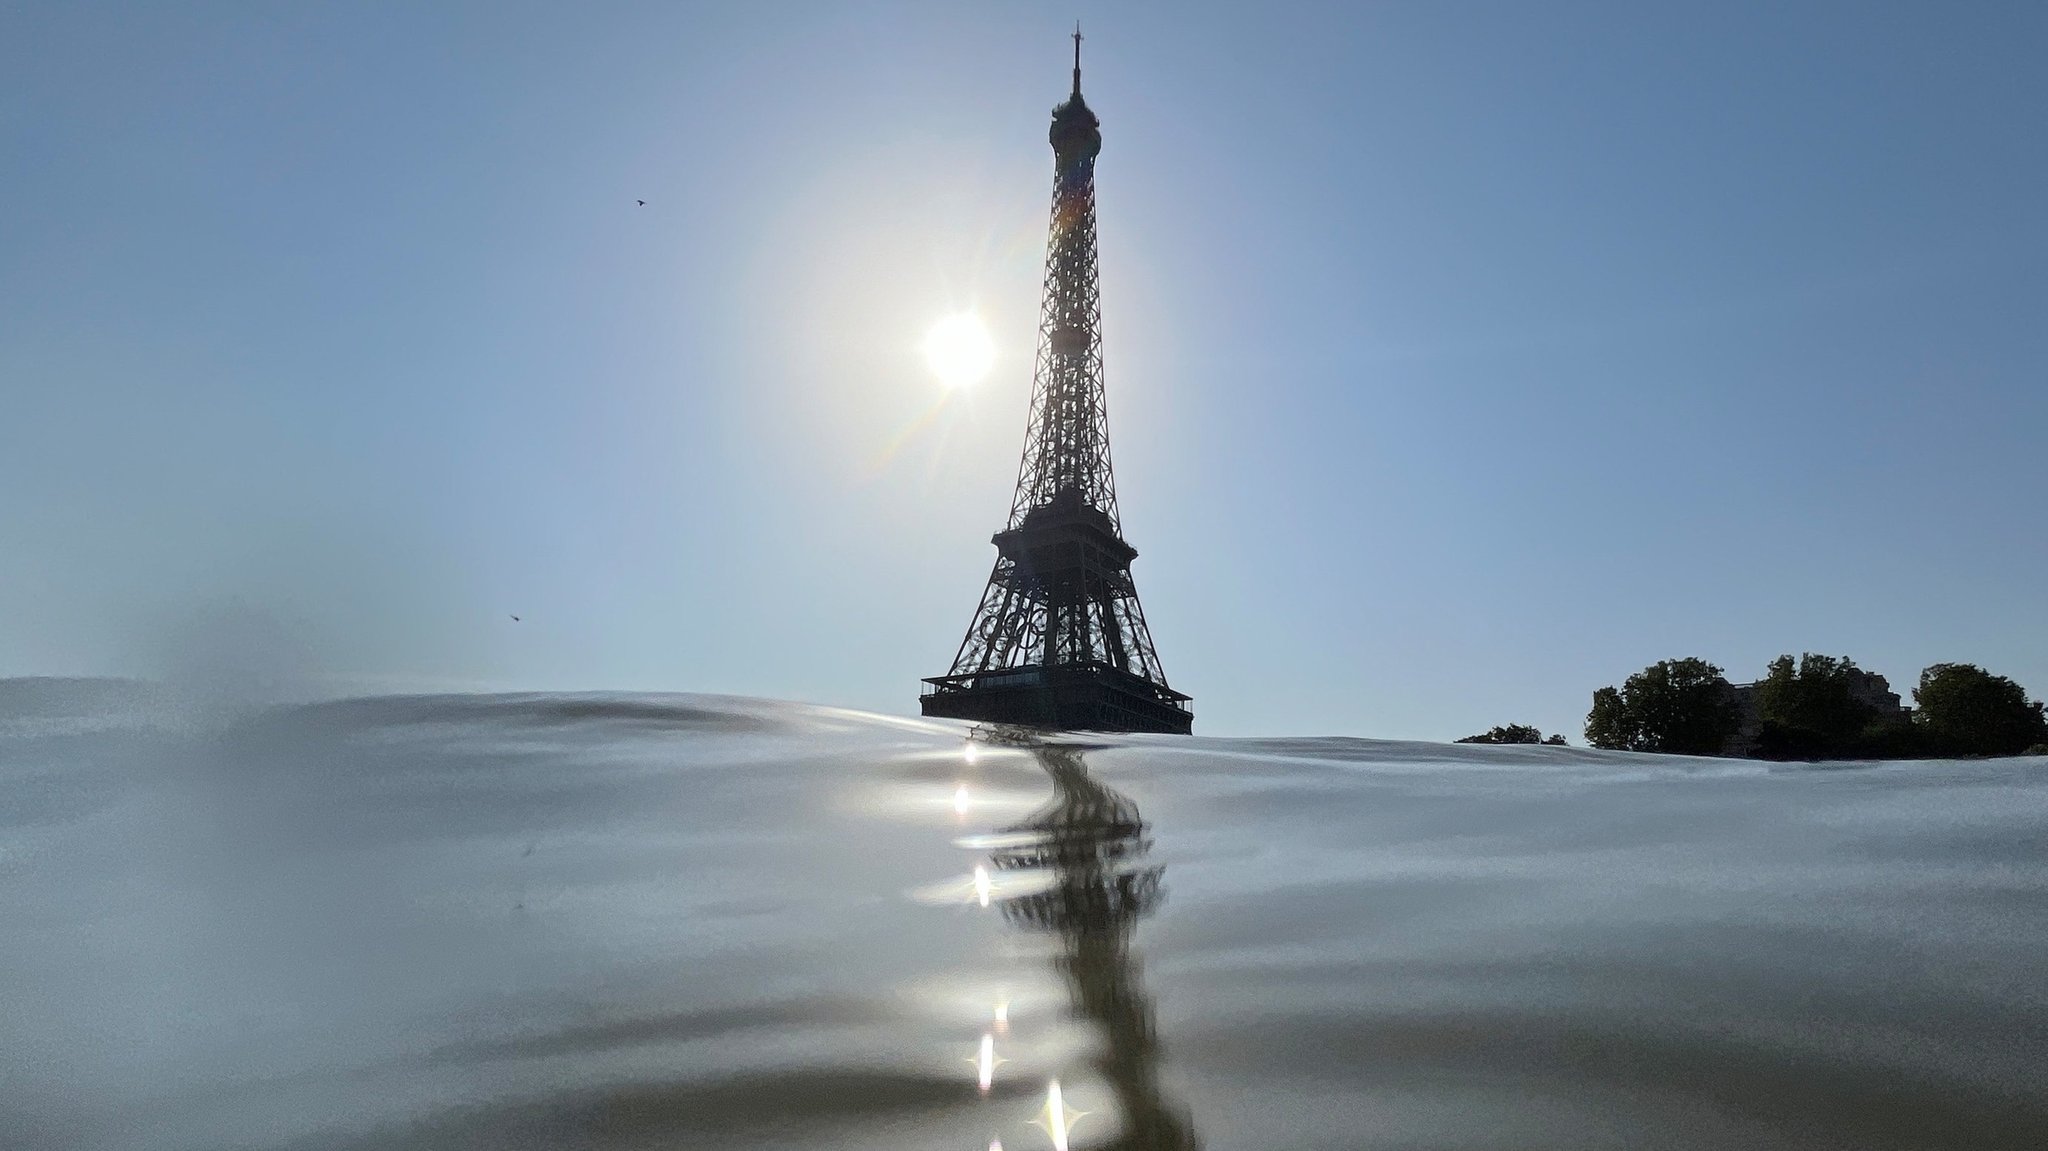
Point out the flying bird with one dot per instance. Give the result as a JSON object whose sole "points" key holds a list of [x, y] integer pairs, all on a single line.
{"points": [[642, 203], [515, 619]]}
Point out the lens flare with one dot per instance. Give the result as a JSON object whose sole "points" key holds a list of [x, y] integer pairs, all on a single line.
{"points": [[960, 799], [982, 885]]}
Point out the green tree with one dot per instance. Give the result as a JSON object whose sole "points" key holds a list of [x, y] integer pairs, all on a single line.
{"points": [[1609, 724], [1512, 733], [1682, 706], [1969, 711], [1809, 710]]}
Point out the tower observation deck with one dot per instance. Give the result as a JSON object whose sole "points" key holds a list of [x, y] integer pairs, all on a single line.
{"points": [[1059, 640]]}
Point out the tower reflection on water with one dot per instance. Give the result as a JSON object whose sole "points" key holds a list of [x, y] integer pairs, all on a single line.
{"points": [[1089, 844]]}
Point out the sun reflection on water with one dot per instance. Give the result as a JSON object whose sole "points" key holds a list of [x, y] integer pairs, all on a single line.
{"points": [[1057, 1118], [985, 1064]]}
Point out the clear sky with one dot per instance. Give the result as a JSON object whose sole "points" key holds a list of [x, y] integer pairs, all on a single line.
{"points": [[1462, 358]]}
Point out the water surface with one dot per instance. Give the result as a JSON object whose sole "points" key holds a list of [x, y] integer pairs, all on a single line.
{"points": [[631, 921]]}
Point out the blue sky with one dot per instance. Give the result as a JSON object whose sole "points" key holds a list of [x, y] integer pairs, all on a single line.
{"points": [[1462, 358]]}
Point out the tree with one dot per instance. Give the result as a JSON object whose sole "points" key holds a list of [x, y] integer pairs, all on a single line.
{"points": [[1512, 733], [1609, 724], [1968, 711], [1812, 710], [1682, 706]]}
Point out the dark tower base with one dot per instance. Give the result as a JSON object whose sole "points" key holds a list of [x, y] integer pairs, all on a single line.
{"points": [[1084, 697]]}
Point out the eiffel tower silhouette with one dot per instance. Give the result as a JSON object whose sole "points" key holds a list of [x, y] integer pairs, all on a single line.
{"points": [[1060, 640]]}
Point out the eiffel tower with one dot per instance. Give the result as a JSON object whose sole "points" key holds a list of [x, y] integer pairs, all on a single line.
{"points": [[1059, 640]]}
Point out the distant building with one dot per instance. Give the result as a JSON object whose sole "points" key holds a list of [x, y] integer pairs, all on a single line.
{"points": [[1865, 687]]}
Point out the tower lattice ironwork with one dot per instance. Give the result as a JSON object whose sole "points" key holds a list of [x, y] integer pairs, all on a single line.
{"points": [[1059, 639]]}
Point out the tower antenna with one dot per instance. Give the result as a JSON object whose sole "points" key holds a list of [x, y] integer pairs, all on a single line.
{"points": [[1077, 57]]}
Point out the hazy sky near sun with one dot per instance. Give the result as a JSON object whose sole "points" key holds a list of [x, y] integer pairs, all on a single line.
{"points": [[1462, 358]]}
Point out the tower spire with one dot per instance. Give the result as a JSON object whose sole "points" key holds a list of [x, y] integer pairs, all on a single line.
{"points": [[1077, 57], [1059, 639]]}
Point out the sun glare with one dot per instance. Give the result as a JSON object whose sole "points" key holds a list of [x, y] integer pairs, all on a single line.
{"points": [[958, 350]]}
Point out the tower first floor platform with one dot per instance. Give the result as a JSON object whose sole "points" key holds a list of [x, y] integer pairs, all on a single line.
{"points": [[1066, 697]]}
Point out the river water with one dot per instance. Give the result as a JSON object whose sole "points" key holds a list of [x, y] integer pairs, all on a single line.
{"points": [[635, 921]]}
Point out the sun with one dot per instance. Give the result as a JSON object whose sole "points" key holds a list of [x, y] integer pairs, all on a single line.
{"points": [[959, 350]]}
